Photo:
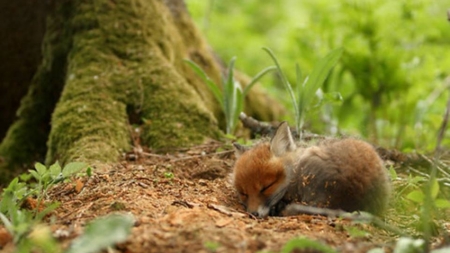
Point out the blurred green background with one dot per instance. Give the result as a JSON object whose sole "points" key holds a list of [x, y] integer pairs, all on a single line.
{"points": [[393, 76]]}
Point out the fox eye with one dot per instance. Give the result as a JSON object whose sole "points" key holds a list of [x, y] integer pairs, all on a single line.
{"points": [[267, 187], [243, 196]]}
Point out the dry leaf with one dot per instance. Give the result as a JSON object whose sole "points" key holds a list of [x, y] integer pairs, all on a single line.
{"points": [[79, 186]]}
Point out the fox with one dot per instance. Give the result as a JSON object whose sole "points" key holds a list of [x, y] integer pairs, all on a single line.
{"points": [[344, 174]]}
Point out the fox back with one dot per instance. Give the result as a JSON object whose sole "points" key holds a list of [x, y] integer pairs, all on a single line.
{"points": [[340, 174]]}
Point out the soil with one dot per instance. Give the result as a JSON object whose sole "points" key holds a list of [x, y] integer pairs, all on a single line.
{"points": [[184, 202]]}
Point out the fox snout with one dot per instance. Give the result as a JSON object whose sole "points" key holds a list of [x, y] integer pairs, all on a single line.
{"points": [[258, 210], [261, 212]]}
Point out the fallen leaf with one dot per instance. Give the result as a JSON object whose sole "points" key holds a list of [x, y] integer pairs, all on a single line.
{"points": [[79, 186]]}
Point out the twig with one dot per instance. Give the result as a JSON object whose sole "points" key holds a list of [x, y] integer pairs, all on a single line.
{"points": [[445, 173], [154, 155], [200, 156], [269, 128], [257, 127]]}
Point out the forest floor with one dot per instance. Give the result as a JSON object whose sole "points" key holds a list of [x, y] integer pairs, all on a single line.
{"points": [[184, 202]]}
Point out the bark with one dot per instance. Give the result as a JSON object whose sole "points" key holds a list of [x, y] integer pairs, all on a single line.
{"points": [[20, 55], [113, 67]]}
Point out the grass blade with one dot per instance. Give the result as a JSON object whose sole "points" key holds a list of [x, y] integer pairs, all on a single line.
{"points": [[256, 79], [211, 85], [229, 96], [285, 82], [319, 74]]}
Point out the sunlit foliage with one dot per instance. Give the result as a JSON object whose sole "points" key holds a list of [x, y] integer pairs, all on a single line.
{"points": [[393, 75]]}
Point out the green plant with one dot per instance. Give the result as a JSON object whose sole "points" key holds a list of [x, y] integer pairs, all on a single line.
{"points": [[102, 233], [422, 196], [307, 88], [392, 84], [355, 232], [418, 195], [306, 244], [211, 246], [169, 175], [231, 98], [21, 222]]}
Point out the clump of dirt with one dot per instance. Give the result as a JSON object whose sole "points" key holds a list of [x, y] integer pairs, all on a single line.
{"points": [[184, 202]]}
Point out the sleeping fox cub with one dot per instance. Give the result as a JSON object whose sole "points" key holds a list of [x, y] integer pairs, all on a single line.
{"points": [[342, 174]]}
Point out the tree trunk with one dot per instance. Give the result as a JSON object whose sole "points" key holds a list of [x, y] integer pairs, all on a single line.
{"points": [[22, 28], [109, 68]]}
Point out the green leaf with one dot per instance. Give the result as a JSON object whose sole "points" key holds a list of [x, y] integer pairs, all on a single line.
{"points": [[8, 225], [55, 169], [417, 179], [355, 232], [434, 188], [229, 96], [40, 168], [393, 173], [35, 174], [301, 106], [285, 82], [376, 250], [319, 74], [25, 177], [442, 203], [42, 240], [102, 233], [211, 85], [41, 214], [416, 196], [89, 171], [306, 244], [72, 168], [239, 107], [256, 79], [334, 98]]}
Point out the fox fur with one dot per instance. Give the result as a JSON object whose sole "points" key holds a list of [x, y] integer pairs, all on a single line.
{"points": [[344, 174]]}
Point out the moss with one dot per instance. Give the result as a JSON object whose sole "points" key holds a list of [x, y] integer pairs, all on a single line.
{"points": [[177, 118], [88, 127], [121, 58]]}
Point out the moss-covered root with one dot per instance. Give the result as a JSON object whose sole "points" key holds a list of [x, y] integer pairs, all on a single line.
{"points": [[119, 61], [87, 127]]}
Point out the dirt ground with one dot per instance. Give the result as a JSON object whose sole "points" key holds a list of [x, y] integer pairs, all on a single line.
{"points": [[184, 202]]}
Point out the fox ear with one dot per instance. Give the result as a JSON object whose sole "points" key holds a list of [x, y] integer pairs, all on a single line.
{"points": [[239, 149], [282, 142]]}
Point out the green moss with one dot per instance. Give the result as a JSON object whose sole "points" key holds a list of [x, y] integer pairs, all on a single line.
{"points": [[121, 58], [88, 127], [177, 116]]}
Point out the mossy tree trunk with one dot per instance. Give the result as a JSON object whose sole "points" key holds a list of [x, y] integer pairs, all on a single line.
{"points": [[112, 66]]}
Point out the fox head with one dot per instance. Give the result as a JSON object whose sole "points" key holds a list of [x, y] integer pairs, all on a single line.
{"points": [[259, 174]]}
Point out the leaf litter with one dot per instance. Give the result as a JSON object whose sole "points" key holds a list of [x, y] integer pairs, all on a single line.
{"points": [[184, 202]]}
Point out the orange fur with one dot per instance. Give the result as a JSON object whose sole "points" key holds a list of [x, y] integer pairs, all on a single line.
{"points": [[339, 174]]}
